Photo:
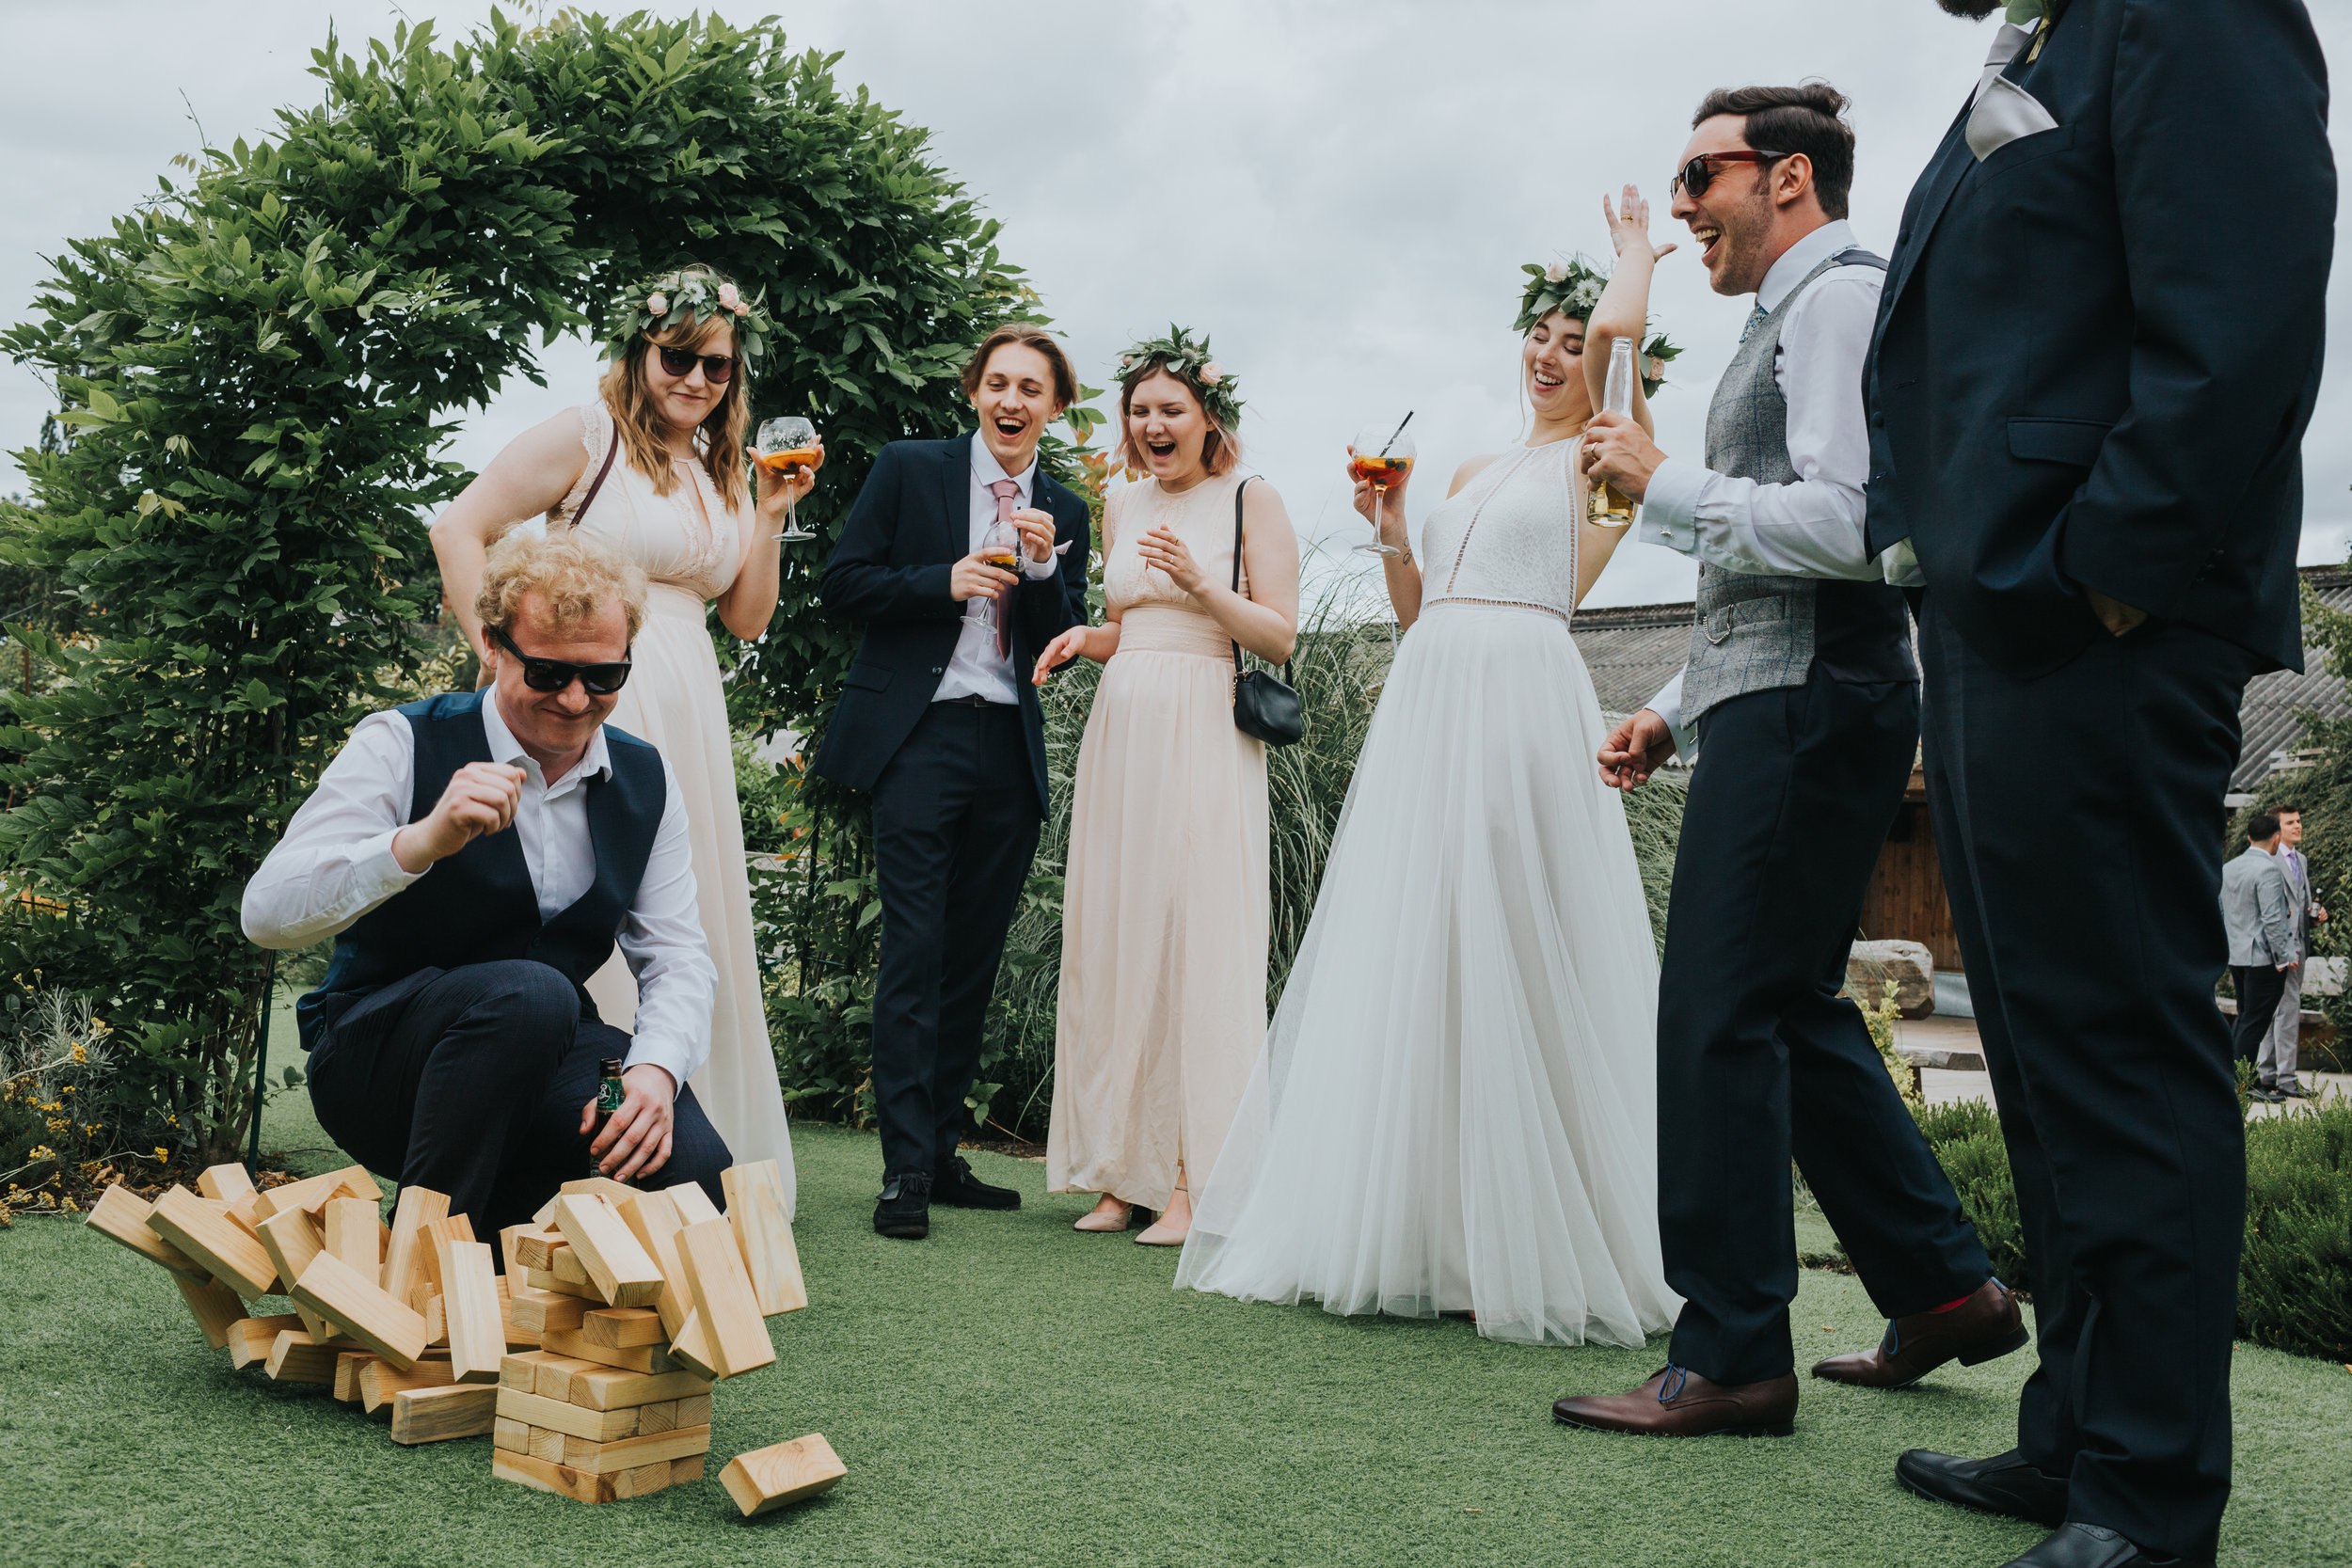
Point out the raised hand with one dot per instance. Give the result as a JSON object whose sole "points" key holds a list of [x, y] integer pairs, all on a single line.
{"points": [[1628, 224], [1163, 549], [1390, 513], [1036, 532], [972, 577], [480, 797], [773, 494]]}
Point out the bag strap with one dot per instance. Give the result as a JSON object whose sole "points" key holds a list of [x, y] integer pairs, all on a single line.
{"points": [[1237, 490], [590, 499]]}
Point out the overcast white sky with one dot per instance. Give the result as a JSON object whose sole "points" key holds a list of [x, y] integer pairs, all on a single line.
{"points": [[1341, 194]]}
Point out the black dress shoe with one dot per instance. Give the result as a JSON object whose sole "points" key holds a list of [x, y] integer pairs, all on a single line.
{"points": [[955, 1185], [2004, 1485], [2080, 1545], [905, 1208]]}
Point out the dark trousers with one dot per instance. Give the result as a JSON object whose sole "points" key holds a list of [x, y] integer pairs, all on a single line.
{"points": [[955, 825], [1758, 1060], [471, 1082], [2080, 821], [2259, 989]]}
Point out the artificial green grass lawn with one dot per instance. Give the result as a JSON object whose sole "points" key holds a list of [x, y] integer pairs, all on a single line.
{"points": [[1010, 1391]]}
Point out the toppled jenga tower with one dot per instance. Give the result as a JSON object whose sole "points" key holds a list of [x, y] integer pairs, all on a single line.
{"points": [[590, 1362]]}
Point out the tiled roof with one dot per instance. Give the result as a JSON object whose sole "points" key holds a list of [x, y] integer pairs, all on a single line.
{"points": [[2272, 714], [1632, 651]]}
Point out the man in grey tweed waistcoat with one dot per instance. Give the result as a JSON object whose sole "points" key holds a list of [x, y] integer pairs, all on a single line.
{"points": [[1801, 680]]}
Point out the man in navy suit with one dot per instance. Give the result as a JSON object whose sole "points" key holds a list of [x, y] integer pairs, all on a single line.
{"points": [[2086, 417], [937, 723]]}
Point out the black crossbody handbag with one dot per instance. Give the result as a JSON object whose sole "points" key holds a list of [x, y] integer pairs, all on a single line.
{"points": [[1263, 708]]}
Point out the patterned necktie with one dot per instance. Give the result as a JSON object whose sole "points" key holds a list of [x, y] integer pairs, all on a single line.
{"points": [[1754, 316], [1007, 491]]}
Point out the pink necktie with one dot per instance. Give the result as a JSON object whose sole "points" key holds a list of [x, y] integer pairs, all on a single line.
{"points": [[1005, 492]]}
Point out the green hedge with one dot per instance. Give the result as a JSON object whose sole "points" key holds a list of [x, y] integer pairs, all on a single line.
{"points": [[2294, 1284]]}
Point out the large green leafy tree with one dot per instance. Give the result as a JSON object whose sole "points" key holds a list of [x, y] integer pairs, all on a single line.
{"points": [[256, 371]]}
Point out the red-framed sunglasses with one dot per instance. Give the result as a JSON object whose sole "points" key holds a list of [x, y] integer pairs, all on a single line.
{"points": [[1699, 172], [717, 367]]}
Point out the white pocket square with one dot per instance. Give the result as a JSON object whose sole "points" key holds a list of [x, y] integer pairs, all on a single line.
{"points": [[2004, 113]]}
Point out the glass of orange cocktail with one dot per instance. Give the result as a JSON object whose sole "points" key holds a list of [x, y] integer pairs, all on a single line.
{"points": [[783, 447]]}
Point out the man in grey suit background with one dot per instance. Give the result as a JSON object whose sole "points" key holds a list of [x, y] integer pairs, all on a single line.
{"points": [[2274, 1065], [2258, 911]]}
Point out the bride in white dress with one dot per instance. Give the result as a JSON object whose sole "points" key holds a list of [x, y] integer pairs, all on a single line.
{"points": [[1454, 1110]]}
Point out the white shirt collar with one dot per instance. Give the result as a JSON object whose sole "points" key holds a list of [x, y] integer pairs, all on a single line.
{"points": [[986, 470], [1801, 258], [507, 749]]}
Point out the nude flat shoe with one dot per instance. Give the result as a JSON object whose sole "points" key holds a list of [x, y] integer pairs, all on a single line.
{"points": [[1162, 1234], [1098, 1219]]}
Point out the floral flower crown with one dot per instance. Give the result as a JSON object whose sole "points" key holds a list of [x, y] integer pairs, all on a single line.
{"points": [[681, 297], [1573, 287], [1187, 359]]}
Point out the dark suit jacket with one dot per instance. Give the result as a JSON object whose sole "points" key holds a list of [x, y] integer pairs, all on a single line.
{"points": [[910, 525], [2098, 348]]}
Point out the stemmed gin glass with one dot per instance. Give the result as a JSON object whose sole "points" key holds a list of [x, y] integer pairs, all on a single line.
{"points": [[1000, 546], [782, 446], [1382, 454]]}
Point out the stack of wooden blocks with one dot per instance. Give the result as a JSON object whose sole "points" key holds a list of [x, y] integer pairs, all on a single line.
{"points": [[590, 1362], [642, 1301]]}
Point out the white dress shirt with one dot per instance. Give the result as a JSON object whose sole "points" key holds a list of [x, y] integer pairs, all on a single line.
{"points": [[1813, 527], [976, 669], [336, 863]]}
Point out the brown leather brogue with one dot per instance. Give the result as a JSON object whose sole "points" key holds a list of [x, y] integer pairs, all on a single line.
{"points": [[1986, 1325], [1677, 1402]]}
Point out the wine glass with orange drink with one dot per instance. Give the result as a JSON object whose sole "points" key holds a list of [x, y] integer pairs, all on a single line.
{"points": [[783, 447], [1382, 455]]}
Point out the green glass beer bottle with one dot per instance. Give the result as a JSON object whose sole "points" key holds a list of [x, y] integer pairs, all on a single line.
{"points": [[609, 1094]]}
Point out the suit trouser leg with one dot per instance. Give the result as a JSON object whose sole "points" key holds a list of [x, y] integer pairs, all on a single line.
{"points": [[473, 1085], [1757, 1059], [984, 886], [2274, 1065], [949, 854], [2108, 1055], [2260, 988]]}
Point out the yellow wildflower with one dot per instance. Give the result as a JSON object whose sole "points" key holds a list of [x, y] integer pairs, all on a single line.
{"points": [[163, 1155]]}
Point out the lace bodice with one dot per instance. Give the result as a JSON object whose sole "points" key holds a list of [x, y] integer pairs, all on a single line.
{"points": [[1509, 535], [1202, 516], [687, 539]]}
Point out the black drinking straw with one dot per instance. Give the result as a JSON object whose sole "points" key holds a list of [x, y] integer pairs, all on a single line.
{"points": [[1397, 431]]}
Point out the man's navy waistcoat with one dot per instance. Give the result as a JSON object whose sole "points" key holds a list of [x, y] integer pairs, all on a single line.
{"points": [[479, 905]]}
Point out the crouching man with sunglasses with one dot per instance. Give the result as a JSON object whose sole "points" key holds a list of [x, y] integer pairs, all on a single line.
{"points": [[476, 857]]}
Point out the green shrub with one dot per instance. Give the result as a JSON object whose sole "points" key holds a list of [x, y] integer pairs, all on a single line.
{"points": [[2294, 1283]]}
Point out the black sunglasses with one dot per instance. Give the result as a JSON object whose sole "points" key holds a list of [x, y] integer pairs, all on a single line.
{"points": [[1699, 172], [554, 674], [717, 367]]}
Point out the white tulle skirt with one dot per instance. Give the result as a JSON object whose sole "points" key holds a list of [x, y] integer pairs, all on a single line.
{"points": [[1455, 1110]]}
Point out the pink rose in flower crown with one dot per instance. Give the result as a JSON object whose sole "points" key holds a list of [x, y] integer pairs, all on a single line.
{"points": [[658, 305], [1556, 273], [1210, 375], [728, 299], [742, 309]]}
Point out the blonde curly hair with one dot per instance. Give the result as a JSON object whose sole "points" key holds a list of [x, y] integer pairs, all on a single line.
{"points": [[576, 576]]}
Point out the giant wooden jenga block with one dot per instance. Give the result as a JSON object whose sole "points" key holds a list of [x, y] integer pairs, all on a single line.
{"points": [[201, 1229], [767, 1478], [722, 1298], [621, 1271], [755, 1209]]}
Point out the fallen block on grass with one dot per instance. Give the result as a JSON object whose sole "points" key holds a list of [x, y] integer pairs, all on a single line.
{"points": [[437, 1415], [381, 1383], [767, 1478], [251, 1339]]}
